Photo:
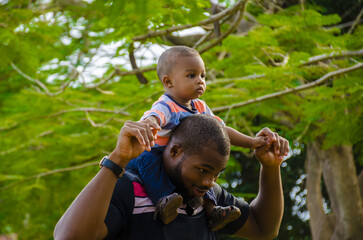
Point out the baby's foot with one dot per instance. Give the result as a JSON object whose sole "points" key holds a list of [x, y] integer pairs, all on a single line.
{"points": [[166, 208], [221, 216]]}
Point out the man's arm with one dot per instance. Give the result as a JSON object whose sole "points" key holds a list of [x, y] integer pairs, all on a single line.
{"points": [[84, 219], [267, 209]]}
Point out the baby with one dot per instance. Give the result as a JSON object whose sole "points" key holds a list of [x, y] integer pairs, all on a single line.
{"points": [[182, 73]]}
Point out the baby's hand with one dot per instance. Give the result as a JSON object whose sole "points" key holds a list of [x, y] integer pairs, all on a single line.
{"points": [[261, 141], [152, 121]]}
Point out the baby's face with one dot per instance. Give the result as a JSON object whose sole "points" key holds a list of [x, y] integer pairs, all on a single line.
{"points": [[188, 77]]}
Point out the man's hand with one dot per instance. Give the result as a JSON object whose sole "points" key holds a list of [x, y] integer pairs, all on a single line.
{"points": [[273, 154], [134, 138], [260, 141]]}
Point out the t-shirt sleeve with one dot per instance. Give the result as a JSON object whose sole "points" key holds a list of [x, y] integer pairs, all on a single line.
{"points": [[120, 209], [224, 199], [161, 111], [208, 111]]}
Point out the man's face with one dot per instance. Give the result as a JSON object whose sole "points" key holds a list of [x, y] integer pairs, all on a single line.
{"points": [[194, 175], [188, 78]]}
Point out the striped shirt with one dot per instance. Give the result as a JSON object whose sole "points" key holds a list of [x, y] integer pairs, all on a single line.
{"points": [[170, 113], [130, 215]]}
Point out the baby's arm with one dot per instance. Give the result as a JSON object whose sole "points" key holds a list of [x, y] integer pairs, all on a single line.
{"points": [[152, 119], [242, 140]]}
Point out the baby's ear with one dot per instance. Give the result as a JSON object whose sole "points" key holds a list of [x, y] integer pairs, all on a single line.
{"points": [[167, 81]]}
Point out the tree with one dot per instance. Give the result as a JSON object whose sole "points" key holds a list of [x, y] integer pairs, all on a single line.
{"points": [[269, 64]]}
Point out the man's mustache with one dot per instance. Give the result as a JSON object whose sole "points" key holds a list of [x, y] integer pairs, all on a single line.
{"points": [[202, 187]]}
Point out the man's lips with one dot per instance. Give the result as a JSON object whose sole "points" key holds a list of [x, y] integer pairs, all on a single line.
{"points": [[199, 191]]}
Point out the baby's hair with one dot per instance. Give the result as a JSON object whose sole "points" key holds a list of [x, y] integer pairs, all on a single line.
{"points": [[168, 57], [196, 132]]}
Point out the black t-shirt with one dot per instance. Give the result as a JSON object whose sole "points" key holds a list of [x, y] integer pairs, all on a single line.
{"points": [[130, 215]]}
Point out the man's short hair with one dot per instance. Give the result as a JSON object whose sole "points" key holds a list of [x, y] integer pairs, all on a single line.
{"points": [[196, 132], [168, 57]]}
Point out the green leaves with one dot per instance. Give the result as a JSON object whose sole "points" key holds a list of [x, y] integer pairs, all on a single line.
{"points": [[57, 44]]}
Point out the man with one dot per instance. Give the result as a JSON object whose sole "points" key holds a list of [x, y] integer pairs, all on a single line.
{"points": [[197, 152]]}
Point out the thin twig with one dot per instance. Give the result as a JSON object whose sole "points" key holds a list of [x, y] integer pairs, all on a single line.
{"points": [[9, 127], [61, 170], [227, 80], [291, 90], [83, 109], [343, 25], [213, 18], [233, 27], [272, 61], [356, 21], [332, 55], [143, 100], [41, 85], [104, 124], [259, 61], [227, 115], [303, 132], [25, 144], [118, 72], [202, 39], [302, 5]]}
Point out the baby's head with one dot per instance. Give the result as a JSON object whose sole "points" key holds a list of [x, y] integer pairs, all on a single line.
{"points": [[182, 72]]}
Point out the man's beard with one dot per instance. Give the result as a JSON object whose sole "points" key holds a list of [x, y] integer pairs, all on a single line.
{"points": [[176, 177]]}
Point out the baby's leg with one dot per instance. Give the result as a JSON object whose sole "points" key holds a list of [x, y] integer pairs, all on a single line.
{"points": [[209, 206]]}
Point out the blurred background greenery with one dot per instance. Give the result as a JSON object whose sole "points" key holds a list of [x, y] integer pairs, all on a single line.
{"points": [[72, 72]]}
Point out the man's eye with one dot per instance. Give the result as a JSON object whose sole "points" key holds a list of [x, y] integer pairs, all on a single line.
{"points": [[202, 170]]}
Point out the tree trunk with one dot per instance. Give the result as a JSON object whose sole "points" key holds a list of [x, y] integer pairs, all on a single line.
{"points": [[336, 165]]}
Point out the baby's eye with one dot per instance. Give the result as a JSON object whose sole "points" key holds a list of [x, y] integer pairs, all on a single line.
{"points": [[203, 75], [202, 170], [191, 76]]}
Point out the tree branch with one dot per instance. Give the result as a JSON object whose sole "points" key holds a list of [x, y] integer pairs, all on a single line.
{"points": [[41, 85], [104, 124], [61, 170], [241, 8], [89, 110], [213, 18], [291, 90], [119, 72], [356, 21], [139, 75], [332, 55], [227, 80], [344, 25], [25, 144]]}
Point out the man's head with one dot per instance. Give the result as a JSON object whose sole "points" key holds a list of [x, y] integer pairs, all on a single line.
{"points": [[197, 152], [182, 72]]}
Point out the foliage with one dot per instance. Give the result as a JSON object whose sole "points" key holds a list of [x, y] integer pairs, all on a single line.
{"points": [[58, 42]]}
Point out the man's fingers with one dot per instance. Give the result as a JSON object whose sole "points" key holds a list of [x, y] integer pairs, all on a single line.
{"points": [[141, 131], [276, 144], [286, 147], [267, 132]]}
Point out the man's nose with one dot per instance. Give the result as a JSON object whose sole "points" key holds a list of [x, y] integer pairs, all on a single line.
{"points": [[208, 182]]}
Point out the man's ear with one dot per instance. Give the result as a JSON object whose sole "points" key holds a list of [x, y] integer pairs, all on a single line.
{"points": [[167, 81], [175, 150]]}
